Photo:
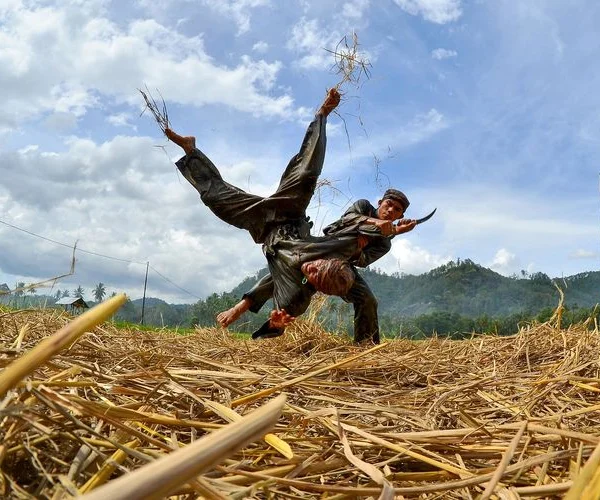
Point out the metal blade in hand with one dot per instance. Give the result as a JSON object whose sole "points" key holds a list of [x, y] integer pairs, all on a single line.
{"points": [[427, 217]]}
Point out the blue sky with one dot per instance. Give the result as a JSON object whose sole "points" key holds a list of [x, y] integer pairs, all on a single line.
{"points": [[487, 110]]}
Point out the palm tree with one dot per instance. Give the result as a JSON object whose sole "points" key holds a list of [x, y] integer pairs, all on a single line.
{"points": [[78, 292], [58, 294], [19, 292], [66, 293], [32, 290], [19, 289], [99, 292]]}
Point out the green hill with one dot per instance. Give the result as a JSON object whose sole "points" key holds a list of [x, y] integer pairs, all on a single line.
{"points": [[468, 289]]}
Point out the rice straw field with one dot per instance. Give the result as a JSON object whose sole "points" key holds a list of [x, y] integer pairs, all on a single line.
{"points": [[89, 409]]}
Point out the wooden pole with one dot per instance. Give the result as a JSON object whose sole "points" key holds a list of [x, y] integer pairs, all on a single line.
{"points": [[144, 298]]}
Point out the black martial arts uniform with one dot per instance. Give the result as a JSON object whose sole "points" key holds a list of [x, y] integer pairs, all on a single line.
{"points": [[353, 222], [279, 221]]}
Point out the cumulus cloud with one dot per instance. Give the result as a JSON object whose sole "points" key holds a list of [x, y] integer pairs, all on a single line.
{"points": [[504, 262], [440, 54], [514, 226], [124, 199], [435, 11], [309, 39], [405, 257], [92, 57], [61, 122], [313, 40]]}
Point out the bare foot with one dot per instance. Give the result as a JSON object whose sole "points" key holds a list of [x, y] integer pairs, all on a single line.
{"points": [[187, 143], [331, 102]]}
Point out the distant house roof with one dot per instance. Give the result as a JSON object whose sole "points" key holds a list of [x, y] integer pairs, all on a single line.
{"points": [[72, 301]]}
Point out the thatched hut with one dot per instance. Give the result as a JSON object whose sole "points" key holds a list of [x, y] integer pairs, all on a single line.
{"points": [[74, 305]]}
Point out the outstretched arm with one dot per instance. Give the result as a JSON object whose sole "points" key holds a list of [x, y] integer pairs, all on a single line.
{"points": [[225, 318]]}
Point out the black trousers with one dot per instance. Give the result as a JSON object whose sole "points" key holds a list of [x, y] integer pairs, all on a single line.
{"points": [[256, 214]]}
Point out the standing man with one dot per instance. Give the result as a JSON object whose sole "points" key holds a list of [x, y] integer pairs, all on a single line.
{"points": [[375, 229]]}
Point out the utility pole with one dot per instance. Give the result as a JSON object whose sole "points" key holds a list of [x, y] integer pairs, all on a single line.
{"points": [[144, 298]]}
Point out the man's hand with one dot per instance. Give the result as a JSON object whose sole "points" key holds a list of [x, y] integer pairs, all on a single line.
{"points": [[386, 227], [280, 319], [363, 241], [404, 226], [331, 102]]}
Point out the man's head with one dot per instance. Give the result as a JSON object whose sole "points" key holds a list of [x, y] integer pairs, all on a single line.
{"points": [[329, 276], [393, 205]]}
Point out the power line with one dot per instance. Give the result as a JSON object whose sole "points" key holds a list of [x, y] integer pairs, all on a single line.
{"points": [[70, 246], [174, 284], [99, 255]]}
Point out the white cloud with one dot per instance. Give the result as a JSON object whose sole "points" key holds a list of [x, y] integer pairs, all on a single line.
{"points": [[29, 148], [580, 253], [121, 120], [436, 11], [92, 57], [440, 54], [309, 40], [355, 9], [405, 257], [61, 122], [504, 262], [124, 199], [260, 47], [390, 140], [475, 220], [238, 10]]}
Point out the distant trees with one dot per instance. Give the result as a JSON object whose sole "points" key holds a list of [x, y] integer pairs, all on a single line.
{"points": [[78, 292], [19, 289], [99, 292], [205, 311]]}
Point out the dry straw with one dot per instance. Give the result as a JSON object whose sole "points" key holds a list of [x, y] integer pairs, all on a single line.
{"points": [[350, 64], [159, 112], [495, 417]]}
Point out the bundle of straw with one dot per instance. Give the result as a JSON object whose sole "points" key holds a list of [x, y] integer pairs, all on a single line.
{"points": [[160, 114]]}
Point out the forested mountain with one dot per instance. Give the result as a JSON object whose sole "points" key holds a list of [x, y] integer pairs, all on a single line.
{"points": [[466, 288], [459, 296]]}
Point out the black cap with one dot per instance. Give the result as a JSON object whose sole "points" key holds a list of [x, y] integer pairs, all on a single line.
{"points": [[399, 196]]}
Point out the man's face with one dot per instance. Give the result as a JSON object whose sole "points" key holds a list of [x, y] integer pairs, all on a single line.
{"points": [[389, 209], [311, 271]]}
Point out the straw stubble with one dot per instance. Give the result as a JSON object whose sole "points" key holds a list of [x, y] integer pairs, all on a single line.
{"points": [[435, 417]]}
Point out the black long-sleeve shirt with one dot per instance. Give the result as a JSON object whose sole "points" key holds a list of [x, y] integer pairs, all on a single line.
{"points": [[354, 221]]}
